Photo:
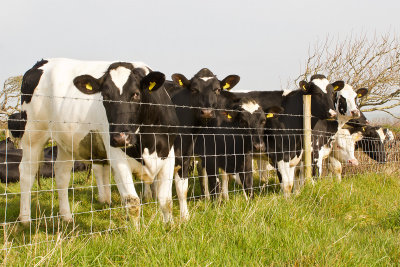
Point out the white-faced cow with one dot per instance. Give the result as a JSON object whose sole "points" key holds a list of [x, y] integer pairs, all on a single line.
{"points": [[324, 132], [90, 109]]}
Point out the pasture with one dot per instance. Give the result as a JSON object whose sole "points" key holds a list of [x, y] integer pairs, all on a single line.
{"points": [[355, 222]]}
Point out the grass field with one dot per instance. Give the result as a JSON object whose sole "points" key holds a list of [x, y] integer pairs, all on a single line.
{"points": [[356, 222]]}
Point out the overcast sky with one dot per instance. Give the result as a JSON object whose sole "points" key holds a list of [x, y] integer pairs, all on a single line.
{"points": [[265, 42]]}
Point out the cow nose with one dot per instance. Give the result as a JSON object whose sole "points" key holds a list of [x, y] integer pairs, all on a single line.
{"points": [[121, 139], [206, 113], [353, 162], [332, 113], [355, 113], [259, 147]]}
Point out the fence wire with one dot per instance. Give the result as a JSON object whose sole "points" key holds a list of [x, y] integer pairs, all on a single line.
{"points": [[219, 156]]}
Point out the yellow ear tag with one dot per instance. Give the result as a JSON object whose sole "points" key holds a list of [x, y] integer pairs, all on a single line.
{"points": [[335, 88], [226, 86], [359, 95], [269, 115], [304, 87], [89, 87], [180, 83], [151, 86], [228, 116], [363, 129]]}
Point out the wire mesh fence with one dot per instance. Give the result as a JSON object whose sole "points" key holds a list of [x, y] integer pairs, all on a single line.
{"points": [[223, 159]]}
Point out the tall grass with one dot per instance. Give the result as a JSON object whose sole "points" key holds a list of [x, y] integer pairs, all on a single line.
{"points": [[356, 222]]}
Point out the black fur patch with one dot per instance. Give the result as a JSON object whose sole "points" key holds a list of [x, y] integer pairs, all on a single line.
{"points": [[342, 105], [30, 81], [16, 124], [204, 72]]}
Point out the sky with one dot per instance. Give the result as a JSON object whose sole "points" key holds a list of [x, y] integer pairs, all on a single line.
{"points": [[266, 43]]}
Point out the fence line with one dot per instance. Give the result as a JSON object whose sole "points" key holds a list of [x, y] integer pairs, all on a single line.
{"points": [[91, 217]]}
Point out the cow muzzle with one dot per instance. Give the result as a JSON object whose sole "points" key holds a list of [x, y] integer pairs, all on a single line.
{"points": [[332, 114], [353, 162], [355, 113], [121, 140], [259, 147], [206, 113]]}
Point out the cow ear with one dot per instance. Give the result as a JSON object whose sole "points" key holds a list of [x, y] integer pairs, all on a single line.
{"points": [[180, 80], [357, 136], [88, 84], [229, 82], [153, 81], [304, 86], [362, 92], [338, 85], [272, 111]]}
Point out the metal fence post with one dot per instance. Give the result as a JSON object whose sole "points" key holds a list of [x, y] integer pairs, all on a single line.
{"points": [[307, 137]]}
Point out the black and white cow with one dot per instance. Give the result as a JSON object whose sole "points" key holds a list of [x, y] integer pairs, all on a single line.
{"points": [[195, 102], [325, 132], [90, 109]]}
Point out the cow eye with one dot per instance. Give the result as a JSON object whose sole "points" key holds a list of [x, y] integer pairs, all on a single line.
{"points": [[195, 90], [217, 91], [263, 121]]}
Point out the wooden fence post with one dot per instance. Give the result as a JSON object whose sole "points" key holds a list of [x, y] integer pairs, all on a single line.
{"points": [[307, 137]]}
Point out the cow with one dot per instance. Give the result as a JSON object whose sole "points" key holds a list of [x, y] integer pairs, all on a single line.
{"points": [[91, 110], [325, 132], [195, 101]]}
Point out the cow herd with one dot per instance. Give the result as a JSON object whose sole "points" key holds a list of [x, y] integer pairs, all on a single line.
{"points": [[128, 120]]}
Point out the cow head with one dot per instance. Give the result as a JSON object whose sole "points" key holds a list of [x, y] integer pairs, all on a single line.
{"points": [[345, 100], [321, 92], [344, 146], [121, 87], [205, 89], [372, 143]]}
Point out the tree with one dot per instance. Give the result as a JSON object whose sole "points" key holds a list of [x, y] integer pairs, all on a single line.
{"points": [[10, 97], [372, 63]]}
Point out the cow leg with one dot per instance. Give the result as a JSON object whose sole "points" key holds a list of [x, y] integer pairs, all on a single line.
{"points": [[32, 144], [102, 175], [62, 170], [225, 185], [148, 193], [247, 176], [204, 180], [181, 185], [287, 177], [122, 169], [336, 167], [164, 186]]}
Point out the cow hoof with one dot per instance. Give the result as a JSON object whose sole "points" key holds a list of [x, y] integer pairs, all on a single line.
{"points": [[185, 216], [132, 204], [67, 218], [105, 201], [147, 196], [24, 220]]}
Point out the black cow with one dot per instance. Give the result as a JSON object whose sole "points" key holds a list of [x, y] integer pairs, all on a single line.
{"points": [[195, 106]]}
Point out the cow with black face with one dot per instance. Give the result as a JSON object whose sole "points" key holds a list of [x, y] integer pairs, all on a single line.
{"points": [[77, 104], [195, 106]]}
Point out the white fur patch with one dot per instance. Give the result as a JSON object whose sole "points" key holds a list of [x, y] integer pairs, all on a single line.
{"points": [[381, 134], [390, 135], [322, 84], [206, 78], [286, 92], [250, 106], [120, 76]]}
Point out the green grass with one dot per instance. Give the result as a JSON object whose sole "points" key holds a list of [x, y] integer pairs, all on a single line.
{"points": [[356, 222]]}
